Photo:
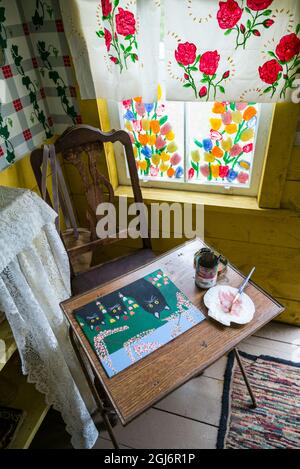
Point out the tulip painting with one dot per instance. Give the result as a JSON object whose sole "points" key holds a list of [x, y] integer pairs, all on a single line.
{"points": [[225, 156], [119, 33], [153, 139]]}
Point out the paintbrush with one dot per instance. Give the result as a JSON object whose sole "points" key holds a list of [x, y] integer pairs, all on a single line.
{"points": [[241, 288]]}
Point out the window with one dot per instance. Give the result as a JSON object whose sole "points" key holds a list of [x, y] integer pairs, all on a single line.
{"points": [[209, 147]]}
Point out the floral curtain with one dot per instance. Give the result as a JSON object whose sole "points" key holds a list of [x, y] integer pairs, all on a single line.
{"points": [[37, 86], [115, 46], [233, 50]]}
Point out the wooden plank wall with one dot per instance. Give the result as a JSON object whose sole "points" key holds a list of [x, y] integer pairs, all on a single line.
{"points": [[291, 194]]}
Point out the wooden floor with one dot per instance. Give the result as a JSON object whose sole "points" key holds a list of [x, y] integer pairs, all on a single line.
{"points": [[189, 417]]}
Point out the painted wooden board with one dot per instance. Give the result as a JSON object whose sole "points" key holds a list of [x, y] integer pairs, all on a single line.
{"points": [[128, 324]]}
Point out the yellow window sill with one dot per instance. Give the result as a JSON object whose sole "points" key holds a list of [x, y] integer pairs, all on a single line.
{"points": [[211, 201]]}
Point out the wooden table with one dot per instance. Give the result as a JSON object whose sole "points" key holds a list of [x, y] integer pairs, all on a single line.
{"points": [[144, 383]]}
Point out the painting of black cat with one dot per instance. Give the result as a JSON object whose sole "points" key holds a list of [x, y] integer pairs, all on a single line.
{"points": [[144, 293]]}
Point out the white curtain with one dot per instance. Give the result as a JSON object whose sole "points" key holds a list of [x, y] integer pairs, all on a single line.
{"points": [[233, 50], [34, 279], [115, 46], [243, 50]]}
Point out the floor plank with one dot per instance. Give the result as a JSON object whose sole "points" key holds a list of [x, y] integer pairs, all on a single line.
{"points": [[160, 430], [259, 346], [198, 399], [171, 423], [103, 443], [281, 333], [264, 346], [216, 370]]}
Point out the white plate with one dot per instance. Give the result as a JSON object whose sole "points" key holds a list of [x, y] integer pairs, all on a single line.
{"points": [[242, 313]]}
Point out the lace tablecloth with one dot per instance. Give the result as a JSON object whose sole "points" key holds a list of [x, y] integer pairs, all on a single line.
{"points": [[34, 279]]}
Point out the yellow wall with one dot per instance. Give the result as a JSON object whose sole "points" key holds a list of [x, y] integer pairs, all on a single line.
{"points": [[291, 194], [19, 175]]}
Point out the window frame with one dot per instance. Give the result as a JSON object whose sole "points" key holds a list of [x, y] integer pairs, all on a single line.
{"points": [[261, 142]]}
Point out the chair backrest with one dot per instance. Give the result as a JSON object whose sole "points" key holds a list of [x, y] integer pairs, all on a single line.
{"points": [[72, 145]]}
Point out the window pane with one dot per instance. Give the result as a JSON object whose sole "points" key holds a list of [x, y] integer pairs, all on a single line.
{"points": [[221, 143], [157, 134]]}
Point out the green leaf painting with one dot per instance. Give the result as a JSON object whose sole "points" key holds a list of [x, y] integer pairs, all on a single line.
{"points": [[54, 75]]}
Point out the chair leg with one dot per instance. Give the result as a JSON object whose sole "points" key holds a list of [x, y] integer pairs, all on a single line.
{"points": [[103, 410], [247, 382]]}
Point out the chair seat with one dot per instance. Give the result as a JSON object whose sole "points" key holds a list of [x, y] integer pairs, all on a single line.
{"points": [[105, 272]]}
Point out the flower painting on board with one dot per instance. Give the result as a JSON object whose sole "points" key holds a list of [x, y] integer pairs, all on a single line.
{"points": [[224, 155], [153, 138], [218, 150]]}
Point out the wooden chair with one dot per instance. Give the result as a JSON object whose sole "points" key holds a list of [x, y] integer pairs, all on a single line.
{"points": [[72, 145]]}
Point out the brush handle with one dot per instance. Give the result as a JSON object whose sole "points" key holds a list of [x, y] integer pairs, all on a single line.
{"points": [[242, 287]]}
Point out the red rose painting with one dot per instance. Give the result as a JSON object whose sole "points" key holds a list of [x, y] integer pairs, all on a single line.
{"points": [[209, 63], [108, 38], [258, 5], [269, 71], [186, 53], [252, 24], [229, 14], [106, 7], [202, 92], [125, 22], [119, 34], [288, 47], [286, 60]]}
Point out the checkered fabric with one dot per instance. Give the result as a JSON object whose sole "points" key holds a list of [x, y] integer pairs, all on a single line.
{"points": [[37, 85]]}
